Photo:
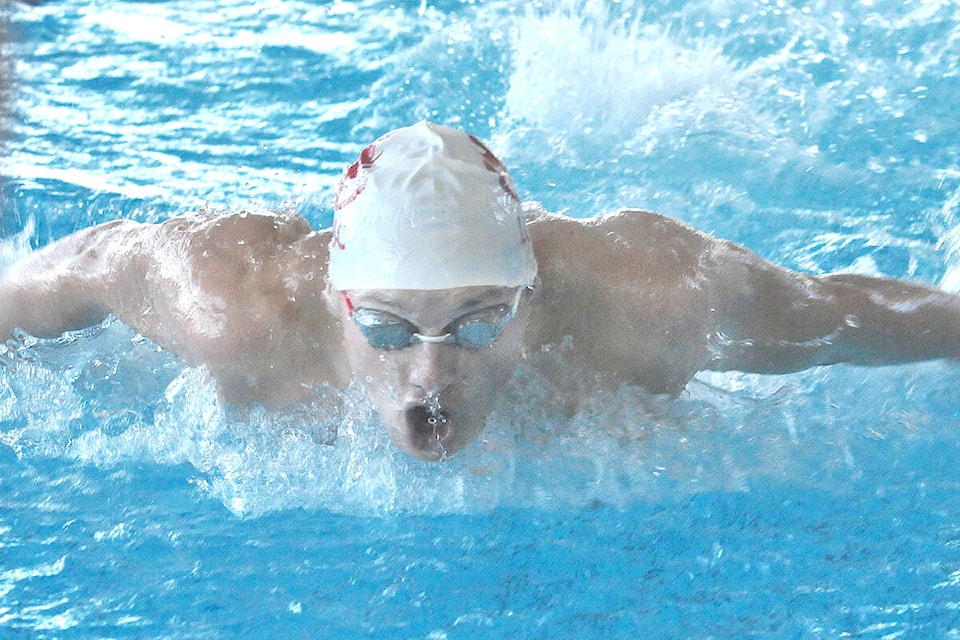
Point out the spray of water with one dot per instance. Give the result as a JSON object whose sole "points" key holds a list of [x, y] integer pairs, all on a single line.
{"points": [[109, 398], [579, 67]]}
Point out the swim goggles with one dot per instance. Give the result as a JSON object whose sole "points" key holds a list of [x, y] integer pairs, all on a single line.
{"points": [[476, 329]]}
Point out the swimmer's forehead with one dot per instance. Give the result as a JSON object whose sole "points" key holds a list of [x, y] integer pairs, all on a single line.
{"points": [[414, 301]]}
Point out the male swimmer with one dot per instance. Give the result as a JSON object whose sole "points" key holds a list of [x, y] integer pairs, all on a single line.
{"points": [[433, 285]]}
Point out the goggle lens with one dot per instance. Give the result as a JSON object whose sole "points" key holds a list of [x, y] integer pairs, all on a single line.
{"points": [[388, 332], [383, 331]]}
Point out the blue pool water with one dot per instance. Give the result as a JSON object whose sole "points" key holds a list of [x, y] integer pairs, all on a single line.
{"points": [[824, 504]]}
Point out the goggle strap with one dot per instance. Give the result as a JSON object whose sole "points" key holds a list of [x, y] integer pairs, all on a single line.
{"points": [[516, 301], [348, 302]]}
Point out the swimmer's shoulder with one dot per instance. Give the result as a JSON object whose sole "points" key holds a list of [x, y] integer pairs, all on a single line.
{"points": [[538, 216], [239, 250], [236, 228], [245, 235], [622, 229]]}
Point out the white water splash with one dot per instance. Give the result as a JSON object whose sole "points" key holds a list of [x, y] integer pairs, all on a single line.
{"points": [[949, 215], [579, 68], [108, 398], [17, 246]]}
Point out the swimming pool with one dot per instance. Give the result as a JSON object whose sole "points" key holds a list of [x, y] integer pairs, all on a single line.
{"points": [[818, 505]]}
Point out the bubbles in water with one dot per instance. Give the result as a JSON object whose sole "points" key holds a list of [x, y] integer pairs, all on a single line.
{"points": [[437, 421], [434, 409]]}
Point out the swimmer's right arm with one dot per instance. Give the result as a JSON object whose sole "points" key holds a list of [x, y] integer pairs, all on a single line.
{"points": [[73, 283], [777, 321]]}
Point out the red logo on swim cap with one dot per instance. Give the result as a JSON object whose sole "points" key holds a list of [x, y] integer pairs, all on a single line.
{"points": [[493, 164], [351, 185], [354, 180]]}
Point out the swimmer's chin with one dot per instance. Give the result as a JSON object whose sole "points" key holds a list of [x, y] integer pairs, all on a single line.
{"points": [[427, 436]]}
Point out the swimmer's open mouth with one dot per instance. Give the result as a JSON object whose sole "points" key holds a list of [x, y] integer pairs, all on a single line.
{"points": [[428, 429]]}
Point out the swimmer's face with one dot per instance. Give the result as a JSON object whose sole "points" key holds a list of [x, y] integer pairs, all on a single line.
{"points": [[434, 398]]}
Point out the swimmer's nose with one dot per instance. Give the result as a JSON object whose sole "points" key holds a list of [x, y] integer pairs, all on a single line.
{"points": [[428, 371]]}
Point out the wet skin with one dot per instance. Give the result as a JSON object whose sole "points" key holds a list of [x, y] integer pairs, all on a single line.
{"points": [[638, 298], [434, 398]]}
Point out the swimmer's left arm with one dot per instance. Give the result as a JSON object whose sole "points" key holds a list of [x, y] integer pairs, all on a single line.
{"points": [[74, 282], [774, 320]]}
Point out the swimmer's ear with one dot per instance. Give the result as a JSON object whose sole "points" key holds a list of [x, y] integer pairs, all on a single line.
{"points": [[531, 294], [333, 300]]}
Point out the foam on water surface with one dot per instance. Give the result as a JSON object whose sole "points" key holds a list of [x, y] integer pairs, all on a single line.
{"points": [[108, 398]]}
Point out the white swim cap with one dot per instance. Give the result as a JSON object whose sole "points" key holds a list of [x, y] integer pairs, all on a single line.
{"points": [[428, 207]]}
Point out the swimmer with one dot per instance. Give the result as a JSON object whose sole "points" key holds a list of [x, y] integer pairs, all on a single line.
{"points": [[434, 284]]}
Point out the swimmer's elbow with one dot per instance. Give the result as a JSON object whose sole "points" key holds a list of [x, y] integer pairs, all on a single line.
{"points": [[46, 312], [847, 344], [66, 285], [779, 356]]}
